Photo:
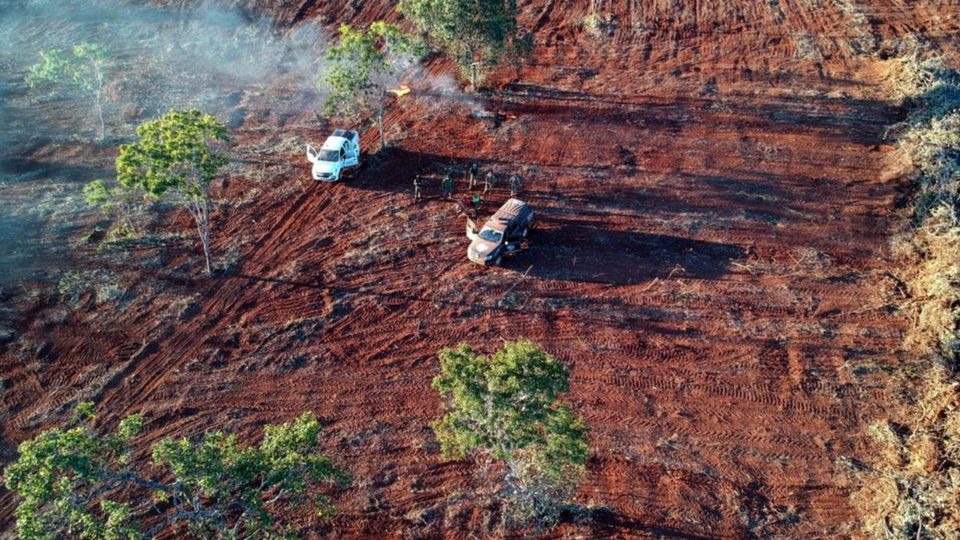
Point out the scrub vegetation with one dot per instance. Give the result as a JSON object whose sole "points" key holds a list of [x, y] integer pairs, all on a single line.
{"points": [[364, 65], [912, 488], [83, 68], [477, 35], [83, 482]]}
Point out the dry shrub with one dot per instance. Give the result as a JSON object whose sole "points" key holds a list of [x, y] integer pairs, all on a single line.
{"points": [[913, 487], [933, 149], [600, 26], [914, 75], [931, 140], [934, 283]]}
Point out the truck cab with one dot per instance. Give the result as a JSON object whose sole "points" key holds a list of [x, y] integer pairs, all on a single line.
{"points": [[340, 151], [501, 235]]}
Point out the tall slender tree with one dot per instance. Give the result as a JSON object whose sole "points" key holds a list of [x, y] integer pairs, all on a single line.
{"points": [[84, 68], [364, 64], [177, 156]]}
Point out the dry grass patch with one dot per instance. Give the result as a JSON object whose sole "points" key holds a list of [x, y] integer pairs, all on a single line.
{"points": [[934, 285], [913, 488]]}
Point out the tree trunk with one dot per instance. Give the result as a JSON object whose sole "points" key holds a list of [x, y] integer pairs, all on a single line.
{"points": [[100, 115], [98, 73], [125, 215], [199, 208], [383, 142], [206, 246]]}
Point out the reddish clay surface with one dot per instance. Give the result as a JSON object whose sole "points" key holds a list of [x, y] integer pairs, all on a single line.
{"points": [[710, 259]]}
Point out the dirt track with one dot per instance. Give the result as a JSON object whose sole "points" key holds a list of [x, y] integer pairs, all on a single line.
{"points": [[710, 258]]}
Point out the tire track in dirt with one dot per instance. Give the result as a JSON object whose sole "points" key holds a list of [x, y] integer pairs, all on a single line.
{"points": [[724, 321]]}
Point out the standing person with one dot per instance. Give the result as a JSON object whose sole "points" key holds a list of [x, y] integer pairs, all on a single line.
{"points": [[417, 184], [447, 186], [473, 172], [514, 185], [489, 180]]}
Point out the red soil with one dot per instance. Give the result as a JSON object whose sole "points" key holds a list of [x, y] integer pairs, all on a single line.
{"points": [[710, 259]]}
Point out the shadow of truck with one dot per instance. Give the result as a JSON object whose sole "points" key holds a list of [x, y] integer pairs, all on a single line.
{"points": [[565, 250]]}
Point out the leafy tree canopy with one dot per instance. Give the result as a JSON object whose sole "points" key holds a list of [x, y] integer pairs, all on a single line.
{"points": [[472, 32], [173, 152], [83, 68], [508, 405], [363, 65], [72, 481], [176, 154]]}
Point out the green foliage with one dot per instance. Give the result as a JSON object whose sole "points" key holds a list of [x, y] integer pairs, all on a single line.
{"points": [[507, 406], [62, 475], [82, 68], [363, 64], [176, 155], [118, 201], [71, 283], [477, 34], [218, 487], [357, 63], [253, 480], [173, 153], [97, 194]]}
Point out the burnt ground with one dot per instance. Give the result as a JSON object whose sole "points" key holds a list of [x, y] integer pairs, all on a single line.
{"points": [[714, 202]]}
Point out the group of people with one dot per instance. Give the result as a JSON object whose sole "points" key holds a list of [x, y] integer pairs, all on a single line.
{"points": [[473, 176]]}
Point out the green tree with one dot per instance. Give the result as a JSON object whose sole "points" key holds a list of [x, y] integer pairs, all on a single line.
{"points": [[70, 482], [176, 156], [117, 200], [506, 407], [477, 34], [363, 66], [83, 68]]}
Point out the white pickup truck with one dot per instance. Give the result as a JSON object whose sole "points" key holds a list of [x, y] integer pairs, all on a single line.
{"points": [[340, 151]]}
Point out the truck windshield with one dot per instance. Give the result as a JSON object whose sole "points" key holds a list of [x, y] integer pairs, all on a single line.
{"points": [[329, 155], [491, 235]]}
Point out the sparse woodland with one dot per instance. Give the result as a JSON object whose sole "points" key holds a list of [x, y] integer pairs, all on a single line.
{"points": [[509, 417]]}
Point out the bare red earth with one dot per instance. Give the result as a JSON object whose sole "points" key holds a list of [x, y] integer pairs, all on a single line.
{"points": [[710, 259]]}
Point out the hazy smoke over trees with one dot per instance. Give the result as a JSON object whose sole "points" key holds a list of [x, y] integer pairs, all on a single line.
{"points": [[207, 56], [161, 58]]}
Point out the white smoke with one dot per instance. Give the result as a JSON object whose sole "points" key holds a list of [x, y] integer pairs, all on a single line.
{"points": [[447, 87], [163, 58]]}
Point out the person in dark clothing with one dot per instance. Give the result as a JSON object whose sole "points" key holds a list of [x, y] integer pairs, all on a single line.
{"points": [[447, 186], [472, 173], [514, 185]]}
